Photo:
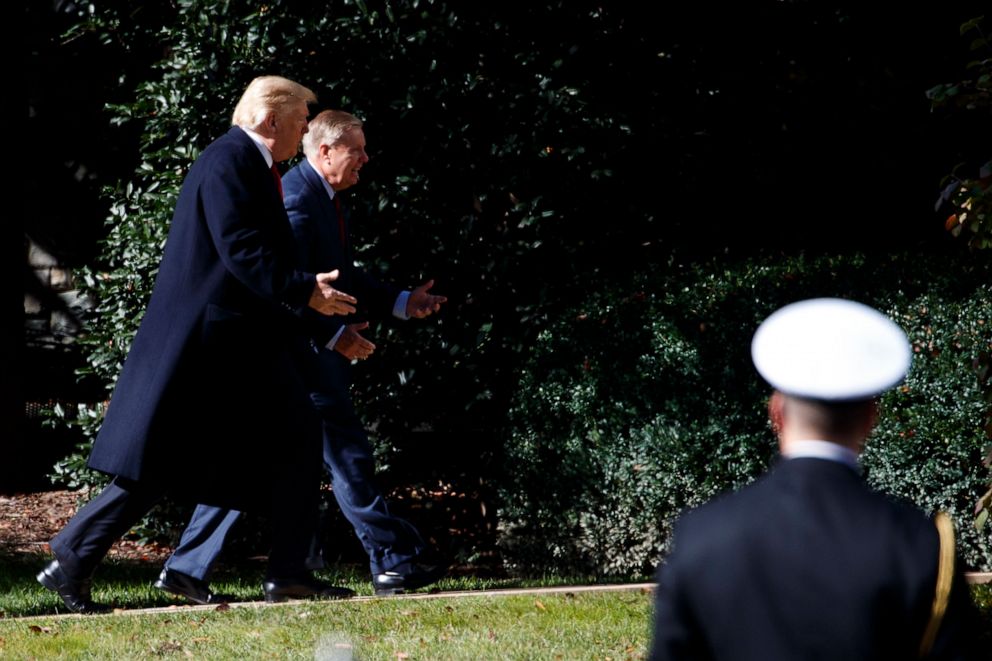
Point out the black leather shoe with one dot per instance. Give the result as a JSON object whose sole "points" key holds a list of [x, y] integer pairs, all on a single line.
{"points": [[75, 592], [187, 586], [408, 576], [282, 589]]}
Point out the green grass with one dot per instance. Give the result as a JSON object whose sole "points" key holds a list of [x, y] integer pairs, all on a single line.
{"points": [[564, 626], [582, 625], [128, 585]]}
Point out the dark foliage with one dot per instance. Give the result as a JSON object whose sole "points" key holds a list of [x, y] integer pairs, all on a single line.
{"points": [[533, 159]]}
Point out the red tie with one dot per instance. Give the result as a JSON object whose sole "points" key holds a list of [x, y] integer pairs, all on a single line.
{"points": [[337, 207], [278, 178]]}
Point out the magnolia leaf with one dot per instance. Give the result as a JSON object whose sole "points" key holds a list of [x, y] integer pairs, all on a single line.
{"points": [[981, 519]]}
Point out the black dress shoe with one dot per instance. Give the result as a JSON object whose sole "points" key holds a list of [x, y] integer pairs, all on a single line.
{"points": [[75, 592], [408, 576], [184, 585], [281, 589]]}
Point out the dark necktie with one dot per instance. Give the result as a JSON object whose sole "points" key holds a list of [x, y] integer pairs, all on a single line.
{"points": [[278, 178], [337, 207]]}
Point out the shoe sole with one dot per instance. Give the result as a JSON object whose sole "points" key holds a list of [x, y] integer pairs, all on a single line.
{"points": [[165, 588], [389, 592]]}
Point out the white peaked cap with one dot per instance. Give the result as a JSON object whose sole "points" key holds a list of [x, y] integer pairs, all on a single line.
{"points": [[831, 349]]}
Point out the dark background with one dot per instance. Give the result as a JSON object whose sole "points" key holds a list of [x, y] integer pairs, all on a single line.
{"points": [[769, 126]]}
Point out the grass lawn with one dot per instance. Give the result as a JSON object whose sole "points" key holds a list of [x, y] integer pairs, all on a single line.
{"points": [[566, 625], [579, 625], [612, 625]]}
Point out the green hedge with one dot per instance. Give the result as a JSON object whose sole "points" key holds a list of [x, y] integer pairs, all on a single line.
{"points": [[632, 408]]}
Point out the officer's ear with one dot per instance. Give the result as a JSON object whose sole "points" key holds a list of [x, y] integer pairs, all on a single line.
{"points": [[776, 411]]}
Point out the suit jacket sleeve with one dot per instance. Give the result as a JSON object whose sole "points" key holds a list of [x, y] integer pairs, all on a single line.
{"points": [[319, 249]]}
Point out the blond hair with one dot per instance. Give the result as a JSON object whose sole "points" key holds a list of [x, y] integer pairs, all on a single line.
{"points": [[327, 129], [267, 94]]}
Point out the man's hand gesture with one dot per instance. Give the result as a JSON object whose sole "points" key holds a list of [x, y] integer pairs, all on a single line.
{"points": [[422, 303], [325, 299], [352, 345]]}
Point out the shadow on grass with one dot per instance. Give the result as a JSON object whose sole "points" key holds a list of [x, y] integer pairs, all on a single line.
{"points": [[127, 584]]}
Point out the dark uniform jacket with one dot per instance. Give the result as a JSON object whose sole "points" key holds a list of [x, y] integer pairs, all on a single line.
{"points": [[806, 563]]}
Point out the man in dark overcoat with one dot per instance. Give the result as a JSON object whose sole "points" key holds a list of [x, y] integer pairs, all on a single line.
{"points": [[210, 405]]}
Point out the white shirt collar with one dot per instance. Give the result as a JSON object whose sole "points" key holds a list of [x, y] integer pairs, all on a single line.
{"points": [[822, 450], [257, 139], [327, 186]]}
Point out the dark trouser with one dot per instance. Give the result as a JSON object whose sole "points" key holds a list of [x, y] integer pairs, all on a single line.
{"points": [[389, 540], [85, 540], [81, 545], [255, 444]]}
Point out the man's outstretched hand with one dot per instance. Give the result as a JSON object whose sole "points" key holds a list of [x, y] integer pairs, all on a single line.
{"points": [[325, 299], [422, 303], [352, 345]]}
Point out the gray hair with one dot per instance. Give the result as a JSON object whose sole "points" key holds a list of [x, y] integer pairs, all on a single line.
{"points": [[327, 129]]}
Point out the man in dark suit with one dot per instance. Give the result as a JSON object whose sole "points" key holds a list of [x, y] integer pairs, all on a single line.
{"points": [[210, 405], [808, 562], [399, 558]]}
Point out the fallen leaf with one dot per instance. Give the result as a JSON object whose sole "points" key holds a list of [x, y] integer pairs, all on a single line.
{"points": [[449, 609], [408, 613], [223, 606], [539, 605], [402, 655], [167, 647]]}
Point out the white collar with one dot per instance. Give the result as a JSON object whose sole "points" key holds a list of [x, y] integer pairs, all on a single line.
{"points": [[822, 450], [327, 186], [257, 139]]}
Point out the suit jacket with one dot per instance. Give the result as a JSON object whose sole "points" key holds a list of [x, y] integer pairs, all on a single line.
{"points": [[215, 338], [806, 563], [315, 223]]}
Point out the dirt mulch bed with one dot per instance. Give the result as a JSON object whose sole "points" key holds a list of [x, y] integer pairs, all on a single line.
{"points": [[28, 521], [451, 519]]}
